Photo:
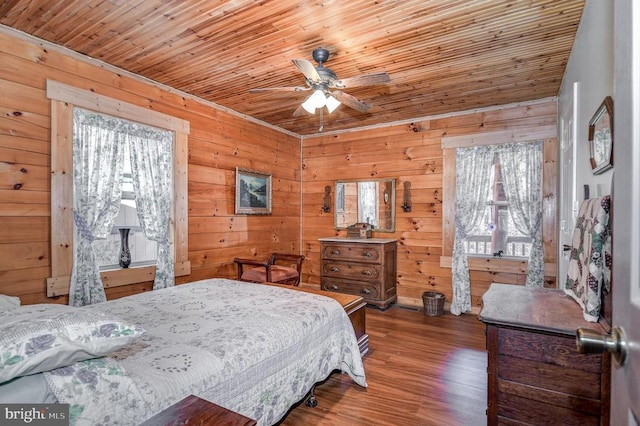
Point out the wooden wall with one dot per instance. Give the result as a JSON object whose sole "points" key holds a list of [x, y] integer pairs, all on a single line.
{"points": [[412, 152], [218, 143]]}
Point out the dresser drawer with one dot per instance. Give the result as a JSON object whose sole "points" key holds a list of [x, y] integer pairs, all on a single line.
{"points": [[550, 349], [357, 271], [364, 267], [364, 289], [355, 252]]}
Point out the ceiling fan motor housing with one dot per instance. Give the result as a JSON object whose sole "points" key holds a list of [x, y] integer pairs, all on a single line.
{"points": [[320, 55]]}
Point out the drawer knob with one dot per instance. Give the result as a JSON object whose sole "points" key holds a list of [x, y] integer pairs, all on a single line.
{"points": [[367, 254], [366, 272], [366, 291], [334, 269], [335, 252], [335, 287]]}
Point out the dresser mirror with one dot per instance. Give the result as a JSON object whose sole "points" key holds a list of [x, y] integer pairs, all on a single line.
{"points": [[366, 201]]}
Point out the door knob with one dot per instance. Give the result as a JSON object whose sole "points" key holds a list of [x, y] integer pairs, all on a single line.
{"points": [[593, 342]]}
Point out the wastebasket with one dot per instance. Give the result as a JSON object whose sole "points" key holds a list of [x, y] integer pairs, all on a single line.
{"points": [[433, 303]]}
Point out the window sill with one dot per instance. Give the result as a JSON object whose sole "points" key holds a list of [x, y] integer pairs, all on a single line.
{"points": [[491, 264], [117, 277], [512, 265], [504, 257], [133, 265]]}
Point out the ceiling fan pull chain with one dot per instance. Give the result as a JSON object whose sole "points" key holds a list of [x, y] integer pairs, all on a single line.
{"points": [[321, 125]]}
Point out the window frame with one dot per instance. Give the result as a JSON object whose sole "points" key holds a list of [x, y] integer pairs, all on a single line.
{"points": [[63, 99], [515, 265]]}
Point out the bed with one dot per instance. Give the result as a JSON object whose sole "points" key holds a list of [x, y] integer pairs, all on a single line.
{"points": [[253, 349]]}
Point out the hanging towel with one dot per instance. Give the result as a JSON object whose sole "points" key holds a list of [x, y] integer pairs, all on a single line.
{"points": [[589, 273]]}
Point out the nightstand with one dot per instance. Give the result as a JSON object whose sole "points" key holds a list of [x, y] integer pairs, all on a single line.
{"points": [[196, 411]]}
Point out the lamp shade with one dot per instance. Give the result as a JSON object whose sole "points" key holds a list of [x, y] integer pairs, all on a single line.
{"points": [[318, 99], [332, 103], [309, 105]]}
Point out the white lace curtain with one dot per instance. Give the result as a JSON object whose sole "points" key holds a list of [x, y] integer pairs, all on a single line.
{"points": [[473, 172], [97, 191], [98, 143], [152, 172], [522, 181]]}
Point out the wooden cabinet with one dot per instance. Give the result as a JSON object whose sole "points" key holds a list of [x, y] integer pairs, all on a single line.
{"points": [[535, 373], [364, 267]]}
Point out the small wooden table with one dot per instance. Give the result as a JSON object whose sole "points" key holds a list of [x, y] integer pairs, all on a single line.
{"points": [[197, 411], [353, 305]]}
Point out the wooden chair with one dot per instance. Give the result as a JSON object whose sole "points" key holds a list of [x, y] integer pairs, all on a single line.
{"points": [[281, 268]]}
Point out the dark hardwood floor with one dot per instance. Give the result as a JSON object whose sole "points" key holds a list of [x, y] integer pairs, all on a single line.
{"points": [[420, 370]]}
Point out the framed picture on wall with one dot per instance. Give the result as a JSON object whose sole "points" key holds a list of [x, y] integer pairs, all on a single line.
{"points": [[253, 192], [601, 137]]}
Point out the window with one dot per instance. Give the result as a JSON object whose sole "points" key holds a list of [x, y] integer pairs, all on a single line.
{"points": [[472, 184], [63, 99], [496, 234], [143, 251]]}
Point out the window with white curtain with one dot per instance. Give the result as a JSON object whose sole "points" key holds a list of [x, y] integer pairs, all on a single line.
{"points": [[496, 233], [143, 250], [100, 143], [170, 232]]}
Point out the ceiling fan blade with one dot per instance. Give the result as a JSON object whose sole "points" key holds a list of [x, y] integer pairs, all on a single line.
{"points": [[279, 89], [307, 69], [351, 101], [363, 80]]}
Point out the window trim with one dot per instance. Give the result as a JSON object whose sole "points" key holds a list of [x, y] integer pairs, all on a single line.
{"points": [[549, 153], [63, 99]]}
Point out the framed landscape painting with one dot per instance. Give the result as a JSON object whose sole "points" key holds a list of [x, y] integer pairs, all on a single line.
{"points": [[253, 192]]}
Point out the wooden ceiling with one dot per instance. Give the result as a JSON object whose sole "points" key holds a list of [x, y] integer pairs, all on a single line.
{"points": [[443, 56]]}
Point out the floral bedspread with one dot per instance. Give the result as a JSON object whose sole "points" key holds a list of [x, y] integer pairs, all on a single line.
{"points": [[253, 349]]}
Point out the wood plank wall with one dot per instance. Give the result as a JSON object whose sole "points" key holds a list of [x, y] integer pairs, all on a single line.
{"points": [[218, 143], [413, 153]]}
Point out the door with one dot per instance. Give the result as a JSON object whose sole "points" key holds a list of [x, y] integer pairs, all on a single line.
{"points": [[625, 380], [568, 208]]}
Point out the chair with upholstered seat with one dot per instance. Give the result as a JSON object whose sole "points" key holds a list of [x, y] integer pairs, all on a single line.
{"points": [[281, 268]]}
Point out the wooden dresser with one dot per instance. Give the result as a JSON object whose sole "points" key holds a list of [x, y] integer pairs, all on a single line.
{"points": [[535, 373], [362, 266]]}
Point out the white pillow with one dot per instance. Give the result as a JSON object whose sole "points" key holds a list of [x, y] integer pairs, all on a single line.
{"points": [[9, 302], [27, 390], [37, 338]]}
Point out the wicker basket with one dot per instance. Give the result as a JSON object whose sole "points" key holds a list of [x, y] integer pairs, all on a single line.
{"points": [[433, 303]]}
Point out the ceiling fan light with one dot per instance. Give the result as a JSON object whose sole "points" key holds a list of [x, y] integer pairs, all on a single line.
{"points": [[309, 105], [332, 103], [319, 98]]}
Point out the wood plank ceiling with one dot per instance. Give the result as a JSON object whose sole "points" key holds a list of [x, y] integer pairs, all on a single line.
{"points": [[442, 56]]}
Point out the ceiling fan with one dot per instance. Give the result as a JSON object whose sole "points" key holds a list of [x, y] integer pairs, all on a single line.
{"points": [[326, 87]]}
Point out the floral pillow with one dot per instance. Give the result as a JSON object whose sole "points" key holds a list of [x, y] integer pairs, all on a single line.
{"points": [[39, 338]]}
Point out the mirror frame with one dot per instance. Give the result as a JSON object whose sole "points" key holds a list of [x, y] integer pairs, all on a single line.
{"points": [[339, 204], [602, 119]]}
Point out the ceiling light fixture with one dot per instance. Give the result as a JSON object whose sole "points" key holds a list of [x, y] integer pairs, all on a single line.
{"points": [[318, 99], [332, 103]]}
